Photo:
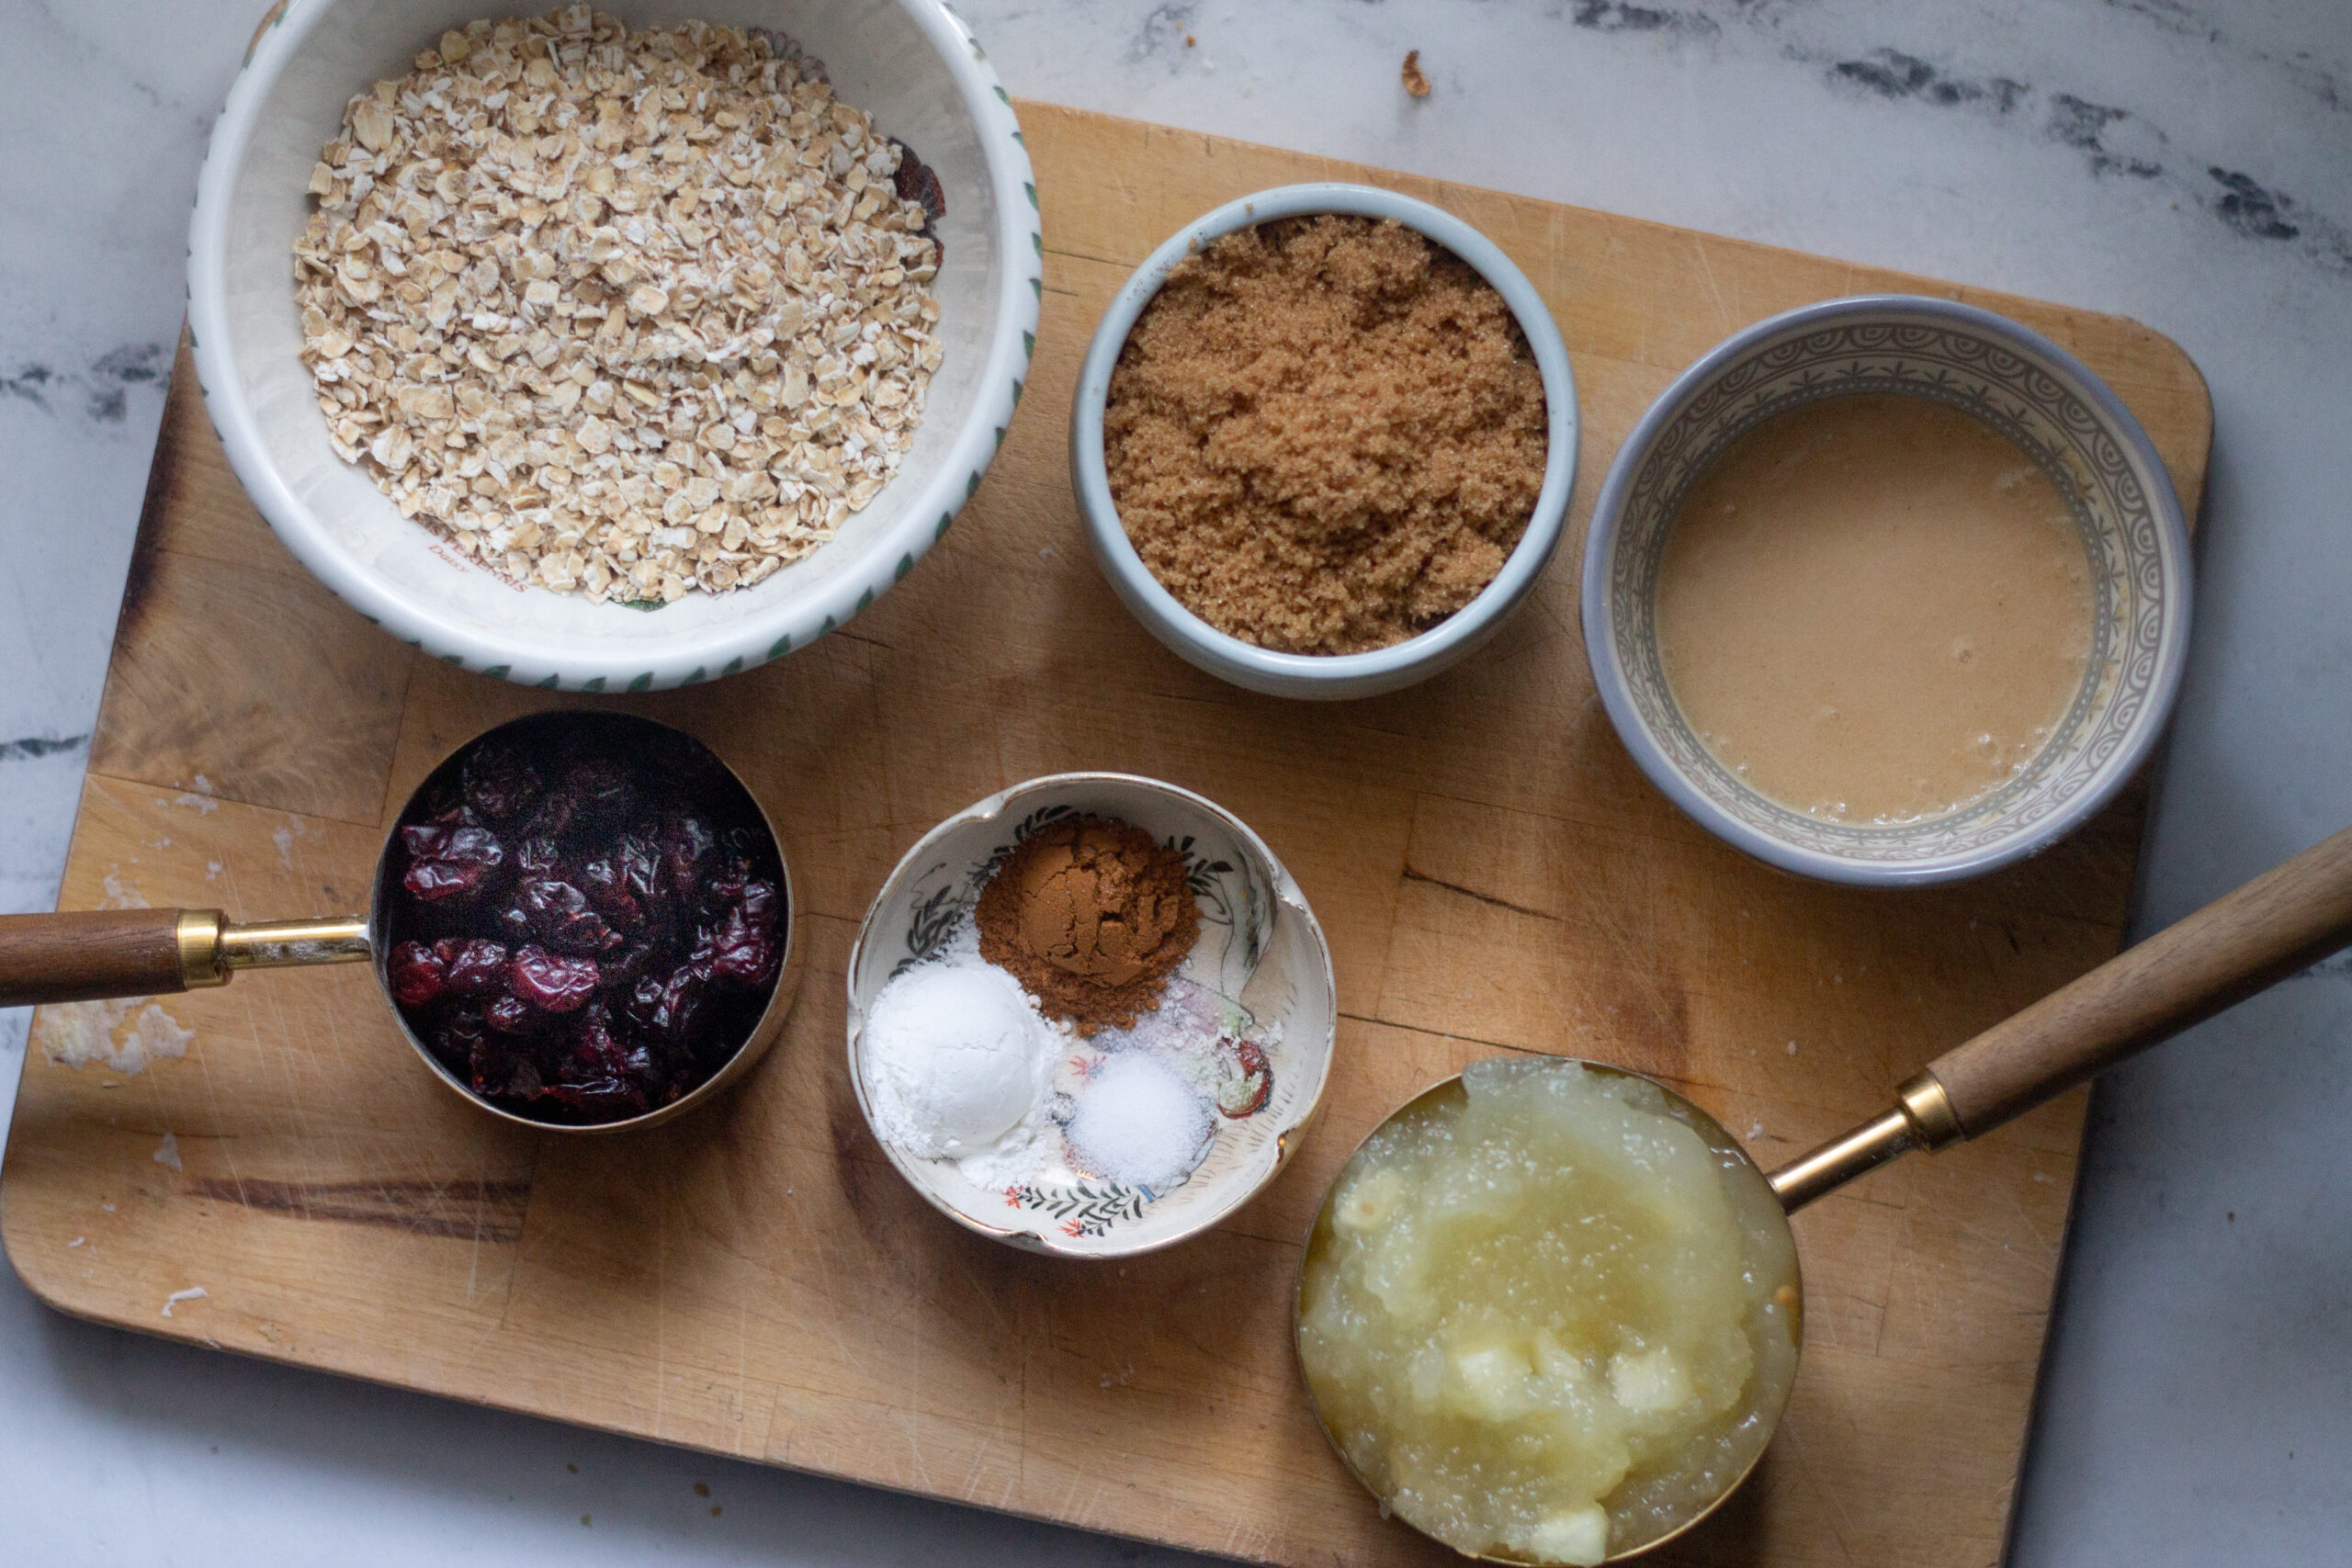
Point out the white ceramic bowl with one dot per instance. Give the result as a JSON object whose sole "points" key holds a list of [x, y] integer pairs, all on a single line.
{"points": [[2023, 386], [1261, 954], [910, 63], [1314, 675]]}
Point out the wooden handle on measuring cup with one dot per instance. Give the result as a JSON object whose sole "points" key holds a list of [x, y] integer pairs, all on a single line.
{"points": [[90, 954], [2242, 943]]}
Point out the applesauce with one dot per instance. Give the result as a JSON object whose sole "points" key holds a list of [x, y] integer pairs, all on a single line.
{"points": [[1545, 1317]]}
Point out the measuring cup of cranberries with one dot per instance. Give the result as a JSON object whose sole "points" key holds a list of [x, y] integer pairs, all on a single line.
{"points": [[585, 921]]}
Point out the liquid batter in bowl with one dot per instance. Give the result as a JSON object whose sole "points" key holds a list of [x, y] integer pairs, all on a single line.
{"points": [[1547, 1314], [1873, 608]]}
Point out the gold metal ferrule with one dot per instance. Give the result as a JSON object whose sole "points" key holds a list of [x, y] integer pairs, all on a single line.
{"points": [[1929, 1106], [1922, 1119], [200, 944]]}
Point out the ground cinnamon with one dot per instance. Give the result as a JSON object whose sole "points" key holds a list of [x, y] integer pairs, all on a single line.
{"points": [[1090, 915]]}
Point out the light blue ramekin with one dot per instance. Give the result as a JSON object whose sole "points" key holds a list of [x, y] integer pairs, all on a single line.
{"points": [[1345, 674], [2013, 379]]}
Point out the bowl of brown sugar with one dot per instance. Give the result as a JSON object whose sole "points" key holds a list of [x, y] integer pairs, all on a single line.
{"points": [[1323, 441]]}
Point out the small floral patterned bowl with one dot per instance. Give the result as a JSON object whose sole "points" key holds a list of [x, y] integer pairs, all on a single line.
{"points": [[2018, 383], [1261, 971], [911, 64]]}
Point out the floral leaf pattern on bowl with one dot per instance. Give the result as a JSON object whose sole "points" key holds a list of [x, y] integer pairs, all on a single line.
{"points": [[1208, 879], [931, 922], [1085, 1208]]}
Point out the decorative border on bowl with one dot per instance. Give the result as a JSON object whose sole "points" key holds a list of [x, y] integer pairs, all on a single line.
{"points": [[273, 42]]}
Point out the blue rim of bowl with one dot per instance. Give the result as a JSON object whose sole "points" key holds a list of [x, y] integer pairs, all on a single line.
{"points": [[1599, 627], [717, 651], [1159, 608]]}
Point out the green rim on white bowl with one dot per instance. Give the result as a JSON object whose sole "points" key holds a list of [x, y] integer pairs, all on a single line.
{"points": [[1315, 675], [912, 63]]}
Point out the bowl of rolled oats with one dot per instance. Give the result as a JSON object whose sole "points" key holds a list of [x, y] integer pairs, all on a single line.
{"points": [[609, 349]]}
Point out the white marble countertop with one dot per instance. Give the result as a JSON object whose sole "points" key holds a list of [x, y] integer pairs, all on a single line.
{"points": [[2185, 162]]}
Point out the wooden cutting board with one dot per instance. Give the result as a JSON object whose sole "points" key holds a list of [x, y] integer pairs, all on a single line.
{"points": [[1493, 872]]}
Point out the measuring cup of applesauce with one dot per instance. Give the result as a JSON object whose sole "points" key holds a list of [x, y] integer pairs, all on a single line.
{"points": [[1550, 1311]]}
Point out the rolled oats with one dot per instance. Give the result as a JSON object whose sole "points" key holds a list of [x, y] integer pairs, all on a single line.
{"points": [[621, 314]]}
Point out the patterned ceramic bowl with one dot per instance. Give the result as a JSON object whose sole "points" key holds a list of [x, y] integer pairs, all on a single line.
{"points": [[910, 63], [2020, 384], [1260, 972], [1307, 674]]}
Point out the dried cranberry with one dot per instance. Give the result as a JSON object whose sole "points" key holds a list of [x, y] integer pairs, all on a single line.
{"points": [[500, 784], [553, 984], [549, 901], [742, 951], [606, 881], [475, 965], [623, 968], [760, 902], [723, 886], [559, 913], [455, 1040], [666, 1005], [415, 975], [639, 862], [498, 1069], [535, 857], [553, 819], [450, 861], [601, 785], [509, 1014], [685, 841], [596, 1053]]}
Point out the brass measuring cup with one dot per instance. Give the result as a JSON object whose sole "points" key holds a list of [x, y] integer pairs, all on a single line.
{"points": [[2242, 942], [94, 954]]}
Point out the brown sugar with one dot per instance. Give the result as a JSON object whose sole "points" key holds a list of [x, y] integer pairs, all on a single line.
{"points": [[1325, 434], [1090, 915]]}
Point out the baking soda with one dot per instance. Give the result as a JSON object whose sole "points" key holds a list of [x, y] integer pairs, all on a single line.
{"points": [[958, 1059]]}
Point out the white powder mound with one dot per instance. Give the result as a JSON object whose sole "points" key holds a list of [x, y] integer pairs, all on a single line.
{"points": [[956, 1059], [1139, 1122]]}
